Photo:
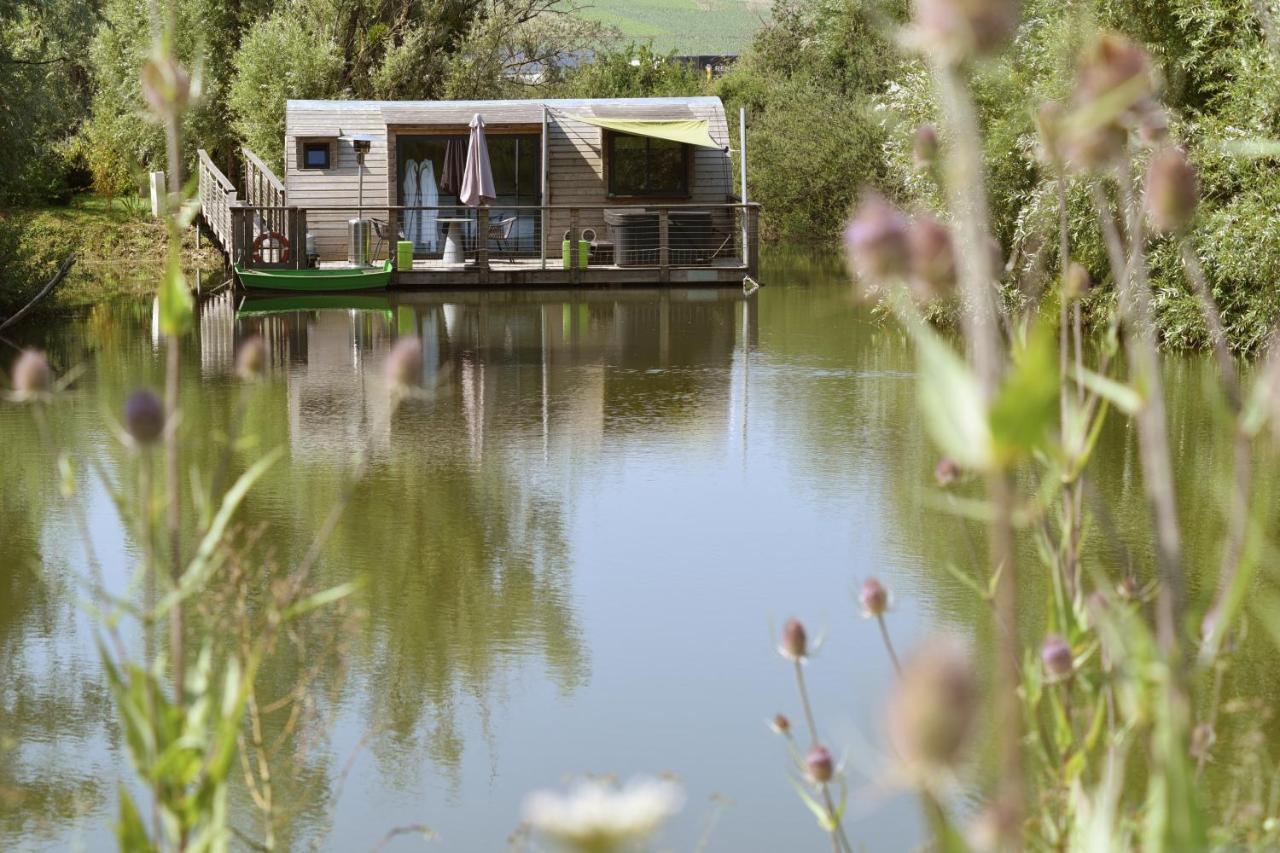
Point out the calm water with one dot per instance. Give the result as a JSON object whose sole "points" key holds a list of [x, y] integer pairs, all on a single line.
{"points": [[576, 552]]}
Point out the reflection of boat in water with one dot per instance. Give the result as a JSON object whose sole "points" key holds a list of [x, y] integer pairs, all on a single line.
{"points": [[257, 306], [314, 280]]}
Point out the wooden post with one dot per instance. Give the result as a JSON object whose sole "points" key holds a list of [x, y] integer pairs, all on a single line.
{"points": [[751, 249], [574, 275], [236, 249], [482, 243], [297, 243], [303, 260], [664, 245]]}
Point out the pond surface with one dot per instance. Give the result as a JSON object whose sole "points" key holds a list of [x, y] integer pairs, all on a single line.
{"points": [[576, 552]]}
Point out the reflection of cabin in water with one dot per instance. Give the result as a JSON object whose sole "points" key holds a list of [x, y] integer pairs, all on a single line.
{"points": [[649, 186], [568, 365]]}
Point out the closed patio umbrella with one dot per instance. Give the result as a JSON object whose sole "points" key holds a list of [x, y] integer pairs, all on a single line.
{"points": [[477, 176]]}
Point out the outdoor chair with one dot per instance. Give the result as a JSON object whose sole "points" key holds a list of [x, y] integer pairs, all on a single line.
{"points": [[500, 232], [382, 230]]}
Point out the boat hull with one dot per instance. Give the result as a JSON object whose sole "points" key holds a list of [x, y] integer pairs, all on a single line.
{"points": [[315, 280]]}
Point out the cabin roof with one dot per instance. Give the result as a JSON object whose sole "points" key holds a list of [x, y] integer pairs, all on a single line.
{"points": [[514, 111]]}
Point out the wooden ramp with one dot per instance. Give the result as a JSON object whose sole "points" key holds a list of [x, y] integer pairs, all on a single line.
{"points": [[264, 194]]}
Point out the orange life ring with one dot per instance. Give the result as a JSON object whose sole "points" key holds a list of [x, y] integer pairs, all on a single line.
{"points": [[281, 240]]}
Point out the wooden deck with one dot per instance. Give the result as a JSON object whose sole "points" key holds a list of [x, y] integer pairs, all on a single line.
{"points": [[534, 273]]}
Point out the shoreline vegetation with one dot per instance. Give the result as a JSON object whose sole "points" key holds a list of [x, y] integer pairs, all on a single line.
{"points": [[825, 81], [120, 254]]}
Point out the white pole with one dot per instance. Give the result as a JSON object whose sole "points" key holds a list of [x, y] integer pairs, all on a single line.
{"points": [[542, 201], [742, 157]]}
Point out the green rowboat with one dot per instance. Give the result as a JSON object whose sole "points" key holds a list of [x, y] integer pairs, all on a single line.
{"points": [[316, 280]]}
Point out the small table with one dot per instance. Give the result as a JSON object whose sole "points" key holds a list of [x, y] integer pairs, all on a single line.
{"points": [[454, 254]]}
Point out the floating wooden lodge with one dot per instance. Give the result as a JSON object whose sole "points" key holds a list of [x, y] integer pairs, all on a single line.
{"points": [[589, 192]]}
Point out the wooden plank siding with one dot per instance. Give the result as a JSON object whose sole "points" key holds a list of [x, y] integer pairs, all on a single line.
{"points": [[575, 162]]}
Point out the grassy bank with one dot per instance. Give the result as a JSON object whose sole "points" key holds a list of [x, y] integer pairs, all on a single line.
{"points": [[120, 253]]}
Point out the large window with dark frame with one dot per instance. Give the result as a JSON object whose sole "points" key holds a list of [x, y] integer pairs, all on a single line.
{"points": [[516, 161], [644, 166]]}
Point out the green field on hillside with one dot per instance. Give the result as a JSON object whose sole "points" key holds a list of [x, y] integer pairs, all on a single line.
{"points": [[685, 26]]}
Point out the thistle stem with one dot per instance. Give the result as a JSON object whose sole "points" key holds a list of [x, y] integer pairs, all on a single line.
{"points": [[888, 644]]}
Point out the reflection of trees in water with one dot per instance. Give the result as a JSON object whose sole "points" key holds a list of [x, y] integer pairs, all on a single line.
{"points": [[49, 710]]}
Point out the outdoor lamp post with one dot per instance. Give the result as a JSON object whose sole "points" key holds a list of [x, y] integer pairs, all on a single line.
{"points": [[359, 229], [361, 144]]}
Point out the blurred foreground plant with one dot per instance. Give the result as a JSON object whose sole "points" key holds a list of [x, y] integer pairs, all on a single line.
{"points": [[1095, 734]]}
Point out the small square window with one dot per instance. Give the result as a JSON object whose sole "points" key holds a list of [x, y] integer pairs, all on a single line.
{"points": [[315, 155]]}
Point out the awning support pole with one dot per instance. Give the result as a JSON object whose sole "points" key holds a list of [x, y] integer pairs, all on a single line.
{"points": [[742, 157], [544, 201]]}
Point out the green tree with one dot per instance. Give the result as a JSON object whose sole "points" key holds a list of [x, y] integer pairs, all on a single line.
{"points": [[278, 60]]}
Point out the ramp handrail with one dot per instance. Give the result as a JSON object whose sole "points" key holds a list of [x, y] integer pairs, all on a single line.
{"points": [[217, 194]]}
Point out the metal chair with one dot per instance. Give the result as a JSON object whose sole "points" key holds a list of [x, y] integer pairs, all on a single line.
{"points": [[382, 230], [500, 233]]}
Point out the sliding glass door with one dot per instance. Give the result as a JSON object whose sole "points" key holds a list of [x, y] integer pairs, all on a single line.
{"points": [[515, 160]]}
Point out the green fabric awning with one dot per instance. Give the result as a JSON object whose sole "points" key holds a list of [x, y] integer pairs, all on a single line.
{"points": [[692, 131]]}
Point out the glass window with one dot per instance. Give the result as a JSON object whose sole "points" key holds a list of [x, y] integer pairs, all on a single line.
{"points": [[516, 163], [644, 166], [315, 155]]}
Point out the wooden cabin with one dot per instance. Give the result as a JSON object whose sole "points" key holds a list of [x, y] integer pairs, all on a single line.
{"points": [[601, 170]]}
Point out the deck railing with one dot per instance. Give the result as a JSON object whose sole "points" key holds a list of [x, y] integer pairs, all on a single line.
{"points": [[217, 196], [656, 237], [264, 191]]}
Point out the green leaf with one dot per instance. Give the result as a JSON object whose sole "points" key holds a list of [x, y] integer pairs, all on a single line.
{"points": [[202, 565], [1257, 408], [1026, 406], [177, 307], [320, 599], [1123, 397], [951, 401], [131, 831], [1250, 148]]}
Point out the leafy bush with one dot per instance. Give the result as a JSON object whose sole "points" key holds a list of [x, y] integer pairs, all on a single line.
{"points": [[807, 157], [279, 59]]}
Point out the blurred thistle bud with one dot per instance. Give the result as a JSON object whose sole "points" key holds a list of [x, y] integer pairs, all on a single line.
{"points": [[924, 147], [956, 30], [1153, 125], [143, 416], [819, 766], [31, 375], [1202, 740], [933, 260], [795, 641], [876, 241], [993, 824], [946, 472], [166, 85], [874, 598], [1113, 84], [781, 724], [933, 706], [1049, 127], [1172, 191], [251, 358], [404, 363], [1056, 656], [1078, 282], [1128, 589]]}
